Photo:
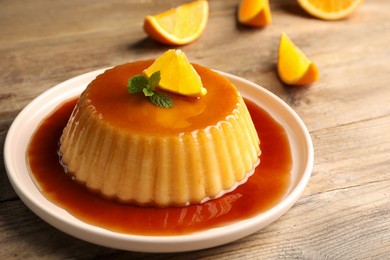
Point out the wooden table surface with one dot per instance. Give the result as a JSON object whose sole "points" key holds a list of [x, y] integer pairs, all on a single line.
{"points": [[344, 213]]}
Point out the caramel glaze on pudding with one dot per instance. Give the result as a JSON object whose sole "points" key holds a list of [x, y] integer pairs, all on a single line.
{"points": [[126, 148]]}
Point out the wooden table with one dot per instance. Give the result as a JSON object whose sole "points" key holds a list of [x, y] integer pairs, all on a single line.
{"points": [[344, 212]]}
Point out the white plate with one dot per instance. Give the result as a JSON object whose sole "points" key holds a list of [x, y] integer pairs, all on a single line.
{"points": [[27, 121]]}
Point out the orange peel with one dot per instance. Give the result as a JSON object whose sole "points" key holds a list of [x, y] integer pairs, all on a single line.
{"points": [[178, 26], [294, 68], [330, 10], [254, 13]]}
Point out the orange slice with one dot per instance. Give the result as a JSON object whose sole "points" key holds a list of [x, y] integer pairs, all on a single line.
{"points": [[180, 25], [294, 68], [254, 12], [177, 74], [330, 9]]}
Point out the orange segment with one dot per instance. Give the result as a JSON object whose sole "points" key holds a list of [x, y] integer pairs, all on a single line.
{"points": [[177, 74], [330, 9], [254, 12], [294, 68], [178, 26]]}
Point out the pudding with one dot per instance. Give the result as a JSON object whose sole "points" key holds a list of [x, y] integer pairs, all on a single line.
{"points": [[125, 148]]}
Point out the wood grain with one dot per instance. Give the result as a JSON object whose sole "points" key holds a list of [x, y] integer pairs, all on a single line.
{"points": [[345, 210]]}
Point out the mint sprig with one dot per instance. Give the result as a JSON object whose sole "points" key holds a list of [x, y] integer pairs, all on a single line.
{"points": [[146, 85]]}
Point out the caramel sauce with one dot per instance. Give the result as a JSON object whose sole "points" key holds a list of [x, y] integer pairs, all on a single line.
{"points": [[107, 95], [264, 189]]}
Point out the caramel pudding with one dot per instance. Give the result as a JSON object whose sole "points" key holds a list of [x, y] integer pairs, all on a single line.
{"points": [[127, 149]]}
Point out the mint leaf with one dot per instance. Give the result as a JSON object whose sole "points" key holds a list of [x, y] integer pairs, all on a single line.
{"points": [[148, 92], [161, 99], [136, 84], [143, 84], [154, 79]]}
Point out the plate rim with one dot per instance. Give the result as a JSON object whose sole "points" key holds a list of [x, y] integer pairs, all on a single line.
{"points": [[177, 243]]}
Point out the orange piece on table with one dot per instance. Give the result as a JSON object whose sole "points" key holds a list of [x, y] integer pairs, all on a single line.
{"points": [[180, 25], [294, 68], [254, 13], [330, 9]]}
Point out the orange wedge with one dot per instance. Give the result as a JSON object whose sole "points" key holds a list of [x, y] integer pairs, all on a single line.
{"points": [[254, 13], [330, 9], [180, 25], [177, 74], [294, 68]]}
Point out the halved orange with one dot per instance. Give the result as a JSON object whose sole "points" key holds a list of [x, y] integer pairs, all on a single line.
{"points": [[180, 25], [254, 12], [294, 68], [330, 9], [177, 74]]}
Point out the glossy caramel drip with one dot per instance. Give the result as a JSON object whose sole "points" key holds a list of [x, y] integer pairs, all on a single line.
{"points": [[126, 148], [108, 96], [262, 191]]}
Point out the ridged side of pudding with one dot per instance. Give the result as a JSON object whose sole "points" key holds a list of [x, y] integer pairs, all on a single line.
{"points": [[126, 148]]}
